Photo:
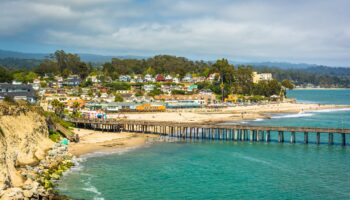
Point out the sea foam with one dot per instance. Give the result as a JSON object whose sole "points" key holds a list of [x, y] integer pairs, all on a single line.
{"points": [[298, 115]]}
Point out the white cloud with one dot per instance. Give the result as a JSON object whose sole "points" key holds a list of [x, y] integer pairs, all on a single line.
{"points": [[309, 31]]}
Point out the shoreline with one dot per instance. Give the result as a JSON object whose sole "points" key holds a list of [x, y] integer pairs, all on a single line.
{"points": [[237, 113], [108, 142]]}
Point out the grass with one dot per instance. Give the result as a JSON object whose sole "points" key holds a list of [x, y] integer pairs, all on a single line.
{"points": [[54, 136]]}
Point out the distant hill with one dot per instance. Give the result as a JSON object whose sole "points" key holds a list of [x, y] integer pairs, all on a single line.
{"points": [[280, 65], [4, 54], [20, 55]]}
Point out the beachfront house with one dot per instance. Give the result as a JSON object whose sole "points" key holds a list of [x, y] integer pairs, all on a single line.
{"points": [[183, 104]]}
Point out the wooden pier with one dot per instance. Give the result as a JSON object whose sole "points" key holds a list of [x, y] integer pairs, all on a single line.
{"points": [[213, 131]]}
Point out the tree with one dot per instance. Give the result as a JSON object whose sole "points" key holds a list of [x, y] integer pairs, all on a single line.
{"points": [[5, 75], [227, 73], [75, 107], [118, 98], [287, 84], [244, 80], [155, 92], [30, 76], [58, 107], [150, 71], [47, 67]]}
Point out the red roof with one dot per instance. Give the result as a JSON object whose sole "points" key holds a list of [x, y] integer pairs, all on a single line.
{"points": [[160, 77]]}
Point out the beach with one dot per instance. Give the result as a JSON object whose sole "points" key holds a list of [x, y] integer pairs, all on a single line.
{"points": [[249, 112], [98, 141]]}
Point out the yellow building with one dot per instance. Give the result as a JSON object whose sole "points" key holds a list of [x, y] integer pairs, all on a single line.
{"points": [[147, 107], [232, 98]]}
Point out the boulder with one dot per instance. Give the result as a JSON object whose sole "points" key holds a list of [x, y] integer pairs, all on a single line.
{"points": [[27, 193]]}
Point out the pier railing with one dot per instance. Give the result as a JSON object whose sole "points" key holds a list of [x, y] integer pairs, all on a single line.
{"points": [[196, 130]]}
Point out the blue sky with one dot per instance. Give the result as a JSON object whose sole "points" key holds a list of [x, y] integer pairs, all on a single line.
{"points": [[311, 31]]}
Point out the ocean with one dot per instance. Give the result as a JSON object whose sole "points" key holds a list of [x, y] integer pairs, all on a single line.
{"points": [[226, 170]]}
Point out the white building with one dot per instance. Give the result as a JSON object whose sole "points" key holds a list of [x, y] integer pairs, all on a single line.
{"points": [[261, 77]]}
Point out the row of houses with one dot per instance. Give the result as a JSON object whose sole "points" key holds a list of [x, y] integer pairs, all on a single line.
{"points": [[165, 78]]}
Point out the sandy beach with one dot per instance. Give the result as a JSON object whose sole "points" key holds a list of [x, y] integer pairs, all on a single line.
{"points": [[98, 141], [251, 112]]}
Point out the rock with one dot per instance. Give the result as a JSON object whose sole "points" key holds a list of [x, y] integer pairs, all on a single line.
{"points": [[27, 193], [2, 192], [15, 192], [39, 154]]}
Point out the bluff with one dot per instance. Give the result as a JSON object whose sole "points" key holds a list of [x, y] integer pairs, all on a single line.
{"points": [[23, 141]]}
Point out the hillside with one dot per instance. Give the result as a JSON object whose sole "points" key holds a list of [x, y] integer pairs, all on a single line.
{"points": [[23, 140]]}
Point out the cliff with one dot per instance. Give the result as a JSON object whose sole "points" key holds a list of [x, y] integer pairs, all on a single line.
{"points": [[23, 141]]}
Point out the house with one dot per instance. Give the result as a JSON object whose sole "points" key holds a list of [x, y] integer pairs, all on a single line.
{"points": [[183, 104], [17, 92], [261, 77], [212, 77], [148, 87], [168, 78], [14, 82], [148, 78], [198, 79], [176, 80], [165, 88], [124, 78], [187, 78], [206, 92], [160, 78], [36, 84], [122, 106], [192, 88], [202, 99], [93, 79], [73, 80]]}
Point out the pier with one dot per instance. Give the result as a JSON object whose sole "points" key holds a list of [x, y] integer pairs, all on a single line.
{"points": [[211, 131]]}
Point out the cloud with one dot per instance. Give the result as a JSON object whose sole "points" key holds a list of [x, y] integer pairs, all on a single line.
{"points": [[300, 31]]}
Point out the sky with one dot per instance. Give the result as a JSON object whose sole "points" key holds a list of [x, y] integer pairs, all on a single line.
{"points": [[308, 31]]}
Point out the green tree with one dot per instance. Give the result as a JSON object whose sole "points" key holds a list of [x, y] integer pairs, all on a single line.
{"points": [[150, 71], [118, 98], [155, 92], [5, 75], [244, 80], [58, 107], [75, 106], [30, 76], [287, 84]]}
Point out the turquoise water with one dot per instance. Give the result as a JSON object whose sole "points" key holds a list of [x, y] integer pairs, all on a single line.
{"points": [[341, 96], [224, 170]]}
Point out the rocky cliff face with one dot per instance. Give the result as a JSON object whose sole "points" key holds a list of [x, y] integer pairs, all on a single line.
{"points": [[23, 141]]}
